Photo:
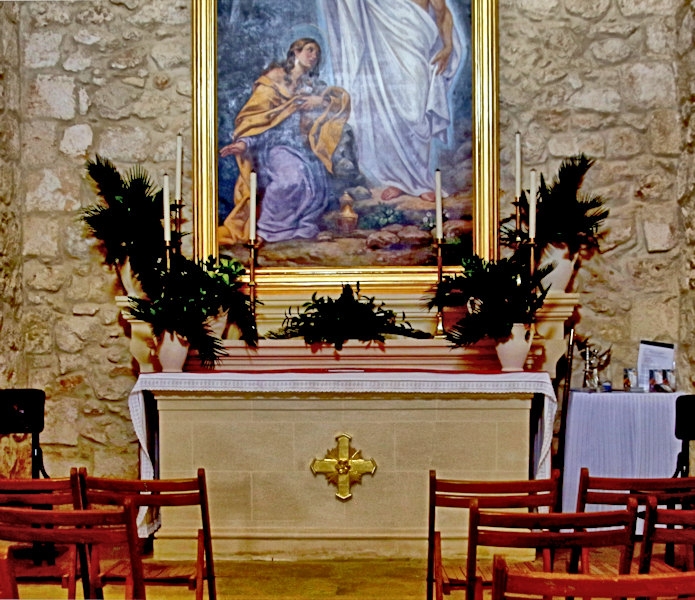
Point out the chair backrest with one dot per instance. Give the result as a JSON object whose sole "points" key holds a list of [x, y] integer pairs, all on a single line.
{"points": [[577, 532], [55, 493], [22, 411], [531, 494], [112, 527], [668, 526], [615, 490], [103, 491], [507, 584]]}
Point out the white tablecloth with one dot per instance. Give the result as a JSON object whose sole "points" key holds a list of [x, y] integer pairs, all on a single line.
{"points": [[619, 434], [356, 381]]}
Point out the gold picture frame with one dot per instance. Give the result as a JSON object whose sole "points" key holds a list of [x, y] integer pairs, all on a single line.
{"points": [[484, 44]]}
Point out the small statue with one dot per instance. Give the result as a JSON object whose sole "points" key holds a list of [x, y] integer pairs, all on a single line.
{"points": [[595, 359]]}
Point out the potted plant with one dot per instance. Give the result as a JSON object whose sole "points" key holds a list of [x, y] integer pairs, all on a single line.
{"points": [[497, 300], [189, 296], [127, 221], [324, 320], [567, 220]]}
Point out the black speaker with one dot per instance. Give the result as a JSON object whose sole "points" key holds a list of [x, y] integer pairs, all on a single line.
{"points": [[21, 410], [685, 417]]}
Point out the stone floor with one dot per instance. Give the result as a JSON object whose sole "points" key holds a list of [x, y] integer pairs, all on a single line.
{"points": [[260, 580]]}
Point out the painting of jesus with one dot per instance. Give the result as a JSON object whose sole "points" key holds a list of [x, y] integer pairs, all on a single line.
{"points": [[344, 109]]}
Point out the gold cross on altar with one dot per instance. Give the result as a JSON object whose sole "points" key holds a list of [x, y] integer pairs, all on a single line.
{"points": [[343, 466]]}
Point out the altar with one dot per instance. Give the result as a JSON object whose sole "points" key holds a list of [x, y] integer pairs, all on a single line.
{"points": [[269, 441]]}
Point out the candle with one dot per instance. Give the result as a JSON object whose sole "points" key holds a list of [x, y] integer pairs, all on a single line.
{"points": [[517, 167], [252, 208], [438, 204], [532, 207], [179, 169], [167, 210]]}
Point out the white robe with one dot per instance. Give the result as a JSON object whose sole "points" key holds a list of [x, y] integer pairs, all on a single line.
{"points": [[381, 52]]}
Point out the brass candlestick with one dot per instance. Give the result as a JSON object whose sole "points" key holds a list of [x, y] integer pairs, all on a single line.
{"points": [[439, 328], [253, 253], [532, 255], [167, 254], [178, 222]]}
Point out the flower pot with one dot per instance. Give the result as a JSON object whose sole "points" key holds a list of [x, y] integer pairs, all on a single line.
{"points": [[512, 353], [172, 351], [561, 278]]}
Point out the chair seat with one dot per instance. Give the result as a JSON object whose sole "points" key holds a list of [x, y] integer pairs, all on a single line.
{"points": [[161, 572], [54, 567]]}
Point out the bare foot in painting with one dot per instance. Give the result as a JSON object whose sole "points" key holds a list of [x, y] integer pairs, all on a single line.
{"points": [[428, 197], [391, 192]]}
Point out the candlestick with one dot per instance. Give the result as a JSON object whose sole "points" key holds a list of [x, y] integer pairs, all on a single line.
{"points": [[252, 208], [439, 326], [179, 165], [517, 167], [532, 207], [438, 204], [167, 210]]}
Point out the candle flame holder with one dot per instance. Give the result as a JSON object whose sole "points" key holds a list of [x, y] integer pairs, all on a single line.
{"points": [[252, 245], [439, 328]]}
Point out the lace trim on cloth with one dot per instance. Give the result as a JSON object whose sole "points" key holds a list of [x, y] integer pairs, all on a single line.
{"points": [[349, 381]]}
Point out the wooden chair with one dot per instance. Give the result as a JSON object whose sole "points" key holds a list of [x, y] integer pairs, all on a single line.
{"points": [[508, 584], [8, 580], [157, 493], [671, 527], [600, 492], [37, 562], [112, 527], [531, 495], [577, 533]]}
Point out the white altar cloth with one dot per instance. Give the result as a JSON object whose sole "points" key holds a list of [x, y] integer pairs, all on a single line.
{"points": [[351, 381], [619, 434]]}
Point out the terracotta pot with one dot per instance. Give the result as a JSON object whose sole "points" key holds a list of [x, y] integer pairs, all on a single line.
{"points": [[172, 351], [513, 352]]}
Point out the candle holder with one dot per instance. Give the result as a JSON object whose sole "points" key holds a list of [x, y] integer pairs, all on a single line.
{"points": [[167, 254], [439, 328], [532, 255], [252, 245], [178, 222]]}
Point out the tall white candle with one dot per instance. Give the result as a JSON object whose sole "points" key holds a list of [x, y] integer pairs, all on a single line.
{"points": [[252, 208], [167, 210], [532, 207], [438, 204], [517, 167], [179, 166]]}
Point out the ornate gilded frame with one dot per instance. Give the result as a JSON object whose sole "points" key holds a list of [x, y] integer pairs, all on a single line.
{"points": [[484, 35]]}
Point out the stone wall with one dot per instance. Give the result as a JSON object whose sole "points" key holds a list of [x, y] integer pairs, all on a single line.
{"points": [[12, 370], [610, 78]]}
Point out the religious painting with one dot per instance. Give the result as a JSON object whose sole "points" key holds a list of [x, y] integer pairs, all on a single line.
{"points": [[355, 120]]}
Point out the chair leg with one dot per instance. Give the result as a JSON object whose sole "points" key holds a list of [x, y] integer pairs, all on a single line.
{"points": [[200, 567], [8, 582]]}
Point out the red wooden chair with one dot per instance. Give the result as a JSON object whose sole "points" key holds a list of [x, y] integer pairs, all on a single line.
{"points": [[158, 493], [548, 533], [45, 563], [113, 527], [531, 495], [668, 526], [508, 584]]}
